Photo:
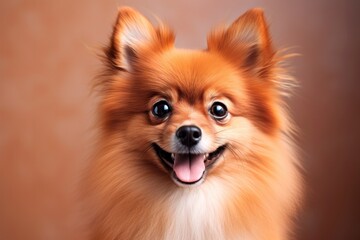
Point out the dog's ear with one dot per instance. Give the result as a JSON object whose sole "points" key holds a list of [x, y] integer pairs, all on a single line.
{"points": [[246, 42], [131, 32]]}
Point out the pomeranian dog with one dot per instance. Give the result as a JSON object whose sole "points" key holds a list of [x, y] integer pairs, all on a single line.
{"points": [[194, 144]]}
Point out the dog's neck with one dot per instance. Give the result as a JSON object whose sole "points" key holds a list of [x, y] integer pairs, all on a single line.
{"points": [[196, 213]]}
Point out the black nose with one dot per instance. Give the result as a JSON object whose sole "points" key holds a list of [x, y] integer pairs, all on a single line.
{"points": [[189, 135]]}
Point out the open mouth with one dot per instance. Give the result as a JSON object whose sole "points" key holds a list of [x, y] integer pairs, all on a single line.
{"points": [[188, 168]]}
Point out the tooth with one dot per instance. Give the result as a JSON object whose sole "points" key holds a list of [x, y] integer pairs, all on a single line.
{"points": [[173, 155]]}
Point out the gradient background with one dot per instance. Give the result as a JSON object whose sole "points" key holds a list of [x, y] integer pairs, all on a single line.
{"points": [[47, 112]]}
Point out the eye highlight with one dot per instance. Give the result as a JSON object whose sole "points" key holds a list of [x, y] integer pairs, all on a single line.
{"points": [[218, 111], [161, 109]]}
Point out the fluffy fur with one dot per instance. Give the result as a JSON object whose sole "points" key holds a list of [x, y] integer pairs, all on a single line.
{"points": [[251, 192]]}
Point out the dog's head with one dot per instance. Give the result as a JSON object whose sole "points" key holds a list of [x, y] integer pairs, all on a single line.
{"points": [[189, 113]]}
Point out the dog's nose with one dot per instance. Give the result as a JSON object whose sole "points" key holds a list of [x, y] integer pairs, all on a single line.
{"points": [[189, 135]]}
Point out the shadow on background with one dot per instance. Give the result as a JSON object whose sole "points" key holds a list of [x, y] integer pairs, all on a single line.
{"points": [[47, 112]]}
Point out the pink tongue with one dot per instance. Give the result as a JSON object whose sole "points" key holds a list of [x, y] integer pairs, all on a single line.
{"points": [[189, 167]]}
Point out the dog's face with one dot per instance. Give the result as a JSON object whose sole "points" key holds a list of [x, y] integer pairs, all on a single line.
{"points": [[191, 112], [185, 112]]}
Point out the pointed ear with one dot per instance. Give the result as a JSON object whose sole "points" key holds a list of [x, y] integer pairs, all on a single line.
{"points": [[246, 41], [131, 31]]}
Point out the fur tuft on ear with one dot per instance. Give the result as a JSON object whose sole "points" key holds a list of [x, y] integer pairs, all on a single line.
{"points": [[131, 31], [246, 41]]}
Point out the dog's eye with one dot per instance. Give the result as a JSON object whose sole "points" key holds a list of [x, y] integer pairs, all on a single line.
{"points": [[218, 111], [161, 109]]}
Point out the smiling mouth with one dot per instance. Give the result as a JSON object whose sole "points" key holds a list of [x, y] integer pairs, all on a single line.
{"points": [[188, 168]]}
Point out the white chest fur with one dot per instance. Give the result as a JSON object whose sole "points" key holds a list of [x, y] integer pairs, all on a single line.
{"points": [[196, 213]]}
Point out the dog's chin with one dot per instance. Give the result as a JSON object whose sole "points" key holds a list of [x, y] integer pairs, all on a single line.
{"points": [[203, 163]]}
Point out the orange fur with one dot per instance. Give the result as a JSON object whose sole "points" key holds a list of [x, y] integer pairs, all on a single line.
{"points": [[252, 191]]}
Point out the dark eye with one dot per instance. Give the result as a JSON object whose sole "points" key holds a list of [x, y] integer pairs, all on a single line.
{"points": [[161, 109], [218, 111]]}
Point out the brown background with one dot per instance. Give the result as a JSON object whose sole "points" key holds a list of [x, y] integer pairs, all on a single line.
{"points": [[46, 110]]}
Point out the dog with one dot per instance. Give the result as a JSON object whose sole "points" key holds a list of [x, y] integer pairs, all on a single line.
{"points": [[193, 144]]}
